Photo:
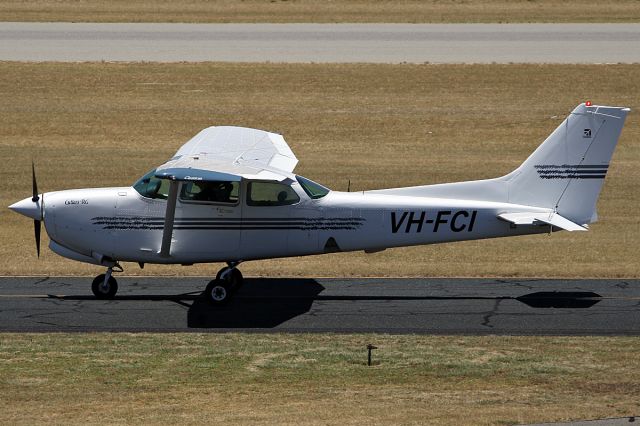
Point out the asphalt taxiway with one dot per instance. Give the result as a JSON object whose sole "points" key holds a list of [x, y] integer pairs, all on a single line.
{"points": [[398, 305], [375, 43]]}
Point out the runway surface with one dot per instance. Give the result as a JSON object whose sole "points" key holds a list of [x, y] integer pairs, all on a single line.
{"points": [[438, 306], [378, 43]]}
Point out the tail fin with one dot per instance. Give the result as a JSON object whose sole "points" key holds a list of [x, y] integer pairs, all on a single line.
{"points": [[567, 171]]}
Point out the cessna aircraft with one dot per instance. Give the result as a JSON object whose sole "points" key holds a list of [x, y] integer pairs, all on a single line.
{"points": [[230, 195]]}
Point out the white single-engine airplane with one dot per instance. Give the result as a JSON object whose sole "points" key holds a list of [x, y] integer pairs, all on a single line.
{"points": [[230, 195]]}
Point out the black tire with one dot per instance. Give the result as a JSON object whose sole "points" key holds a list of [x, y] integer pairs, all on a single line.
{"points": [[218, 292], [102, 292], [235, 280]]}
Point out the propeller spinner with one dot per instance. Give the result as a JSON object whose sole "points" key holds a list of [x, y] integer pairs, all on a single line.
{"points": [[32, 207]]}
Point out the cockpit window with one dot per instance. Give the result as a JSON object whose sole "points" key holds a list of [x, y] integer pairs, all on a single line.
{"points": [[210, 191], [271, 194], [150, 186], [314, 190]]}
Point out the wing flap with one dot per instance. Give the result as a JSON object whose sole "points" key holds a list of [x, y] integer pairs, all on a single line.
{"points": [[537, 218]]}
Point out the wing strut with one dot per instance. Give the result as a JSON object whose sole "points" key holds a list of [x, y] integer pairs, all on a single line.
{"points": [[169, 216]]}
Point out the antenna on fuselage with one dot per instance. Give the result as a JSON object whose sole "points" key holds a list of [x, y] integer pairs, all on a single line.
{"points": [[349, 186]]}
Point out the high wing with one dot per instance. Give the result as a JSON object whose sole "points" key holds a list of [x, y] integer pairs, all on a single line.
{"points": [[231, 153]]}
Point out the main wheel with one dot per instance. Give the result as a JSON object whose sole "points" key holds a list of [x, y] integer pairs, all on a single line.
{"points": [[104, 290], [235, 278], [218, 292]]}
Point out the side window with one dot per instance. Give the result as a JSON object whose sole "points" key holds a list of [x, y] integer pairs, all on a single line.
{"points": [[211, 192], [313, 189], [271, 194]]}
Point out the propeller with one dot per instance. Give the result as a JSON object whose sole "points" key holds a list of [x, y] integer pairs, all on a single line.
{"points": [[37, 224]]}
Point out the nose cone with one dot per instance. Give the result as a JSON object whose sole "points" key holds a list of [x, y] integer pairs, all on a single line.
{"points": [[29, 208]]}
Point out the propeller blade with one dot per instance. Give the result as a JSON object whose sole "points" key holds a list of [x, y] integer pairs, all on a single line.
{"points": [[34, 184], [37, 225]]}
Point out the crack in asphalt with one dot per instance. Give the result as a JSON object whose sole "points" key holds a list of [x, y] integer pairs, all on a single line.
{"points": [[518, 283], [486, 319]]}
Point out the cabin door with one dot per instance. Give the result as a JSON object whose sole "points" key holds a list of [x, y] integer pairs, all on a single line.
{"points": [[207, 222]]}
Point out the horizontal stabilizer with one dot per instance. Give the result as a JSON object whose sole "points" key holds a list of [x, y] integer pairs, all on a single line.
{"points": [[537, 218]]}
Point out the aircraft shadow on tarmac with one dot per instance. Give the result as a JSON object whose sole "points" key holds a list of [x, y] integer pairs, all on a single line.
{"points": [[275, 301], [269, 302]]}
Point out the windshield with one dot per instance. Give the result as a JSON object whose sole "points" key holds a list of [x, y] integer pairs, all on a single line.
{"points": [[150, 186], [314, 190]]}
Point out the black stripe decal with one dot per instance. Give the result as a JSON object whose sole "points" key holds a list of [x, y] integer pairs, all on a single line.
{"points": [[559, 176], [200, 219], [206, 223], [572, 166], [272, 219], [157, 223], [572, 171], [232, 228]]}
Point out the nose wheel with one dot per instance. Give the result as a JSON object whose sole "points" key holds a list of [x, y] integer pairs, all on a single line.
{"points": [[228, 280], [104, 286]]}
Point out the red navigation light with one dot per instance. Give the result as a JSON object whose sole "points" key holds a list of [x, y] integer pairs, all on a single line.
{"points": [[588, 103]]}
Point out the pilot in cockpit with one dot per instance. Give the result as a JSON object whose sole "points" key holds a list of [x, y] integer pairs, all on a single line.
{"points": [[214, 191]]}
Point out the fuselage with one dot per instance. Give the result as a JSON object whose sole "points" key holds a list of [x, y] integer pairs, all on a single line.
{"points": [[121, 224]]}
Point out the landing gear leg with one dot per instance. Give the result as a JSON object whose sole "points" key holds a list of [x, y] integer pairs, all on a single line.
{"points": [[228, 280], [104, 286]]}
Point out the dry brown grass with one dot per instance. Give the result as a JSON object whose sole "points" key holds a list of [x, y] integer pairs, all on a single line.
{"points": [[412, 11], [101, 124], [314, 379]]}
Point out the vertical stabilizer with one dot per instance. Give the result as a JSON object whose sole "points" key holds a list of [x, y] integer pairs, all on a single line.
{"points": [[567, 171]]}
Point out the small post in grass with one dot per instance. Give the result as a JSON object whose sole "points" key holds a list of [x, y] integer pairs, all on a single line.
{"points": [[370, 347]]}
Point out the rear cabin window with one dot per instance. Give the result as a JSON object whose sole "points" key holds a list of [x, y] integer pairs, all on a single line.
{"points": [[210, 192], [271, 194], [150, 186]]}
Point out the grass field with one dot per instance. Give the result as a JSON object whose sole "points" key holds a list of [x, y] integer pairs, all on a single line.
{"points": [[102, 124], [314, 379], [411, 11]]}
